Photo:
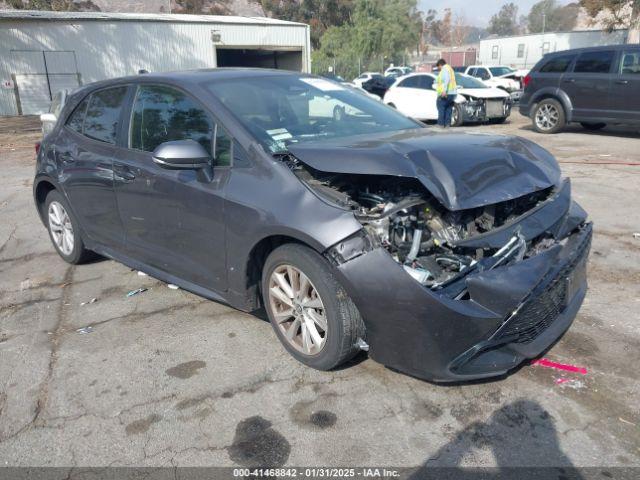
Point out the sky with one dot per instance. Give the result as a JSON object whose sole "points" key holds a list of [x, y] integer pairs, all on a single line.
{"points": [[478, 12]]}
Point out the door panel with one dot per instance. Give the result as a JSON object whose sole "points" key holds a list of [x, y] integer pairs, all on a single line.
{"points": [[588, 85], [173, 219], [625, 86], [86, 165]]}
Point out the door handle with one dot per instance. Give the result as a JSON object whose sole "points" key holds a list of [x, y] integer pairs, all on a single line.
{"points": [[622, 82], [123, 173]]}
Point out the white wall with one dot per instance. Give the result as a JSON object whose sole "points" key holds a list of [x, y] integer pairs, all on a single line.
{"points": [[532, 50], [107, 49]]}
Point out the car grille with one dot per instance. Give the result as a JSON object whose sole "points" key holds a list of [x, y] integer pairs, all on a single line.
{"points": [[543, 307], [495, 108]]}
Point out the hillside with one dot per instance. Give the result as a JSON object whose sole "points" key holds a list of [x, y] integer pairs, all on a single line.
{"points": [[249, 8]]}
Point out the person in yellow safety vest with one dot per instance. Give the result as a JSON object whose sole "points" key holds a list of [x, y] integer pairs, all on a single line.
{"points": [[447, 90]]}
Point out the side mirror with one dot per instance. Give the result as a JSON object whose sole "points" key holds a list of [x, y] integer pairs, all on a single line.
{"points": [[181, 155], [48, 118]]}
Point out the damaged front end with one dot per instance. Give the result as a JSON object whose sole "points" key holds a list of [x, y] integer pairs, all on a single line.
{"points": [[455, 294]]}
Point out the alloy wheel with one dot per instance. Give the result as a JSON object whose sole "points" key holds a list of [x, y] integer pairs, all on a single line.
{"points": [[61, 228], [547, 117], [297, 309]]}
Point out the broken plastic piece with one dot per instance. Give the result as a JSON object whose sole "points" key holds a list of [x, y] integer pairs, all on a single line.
{"points": [[543, 362], [85, 330], [362, 345], [93, 300], [172, 286], [136, 291], [636, 235], [141, 274]]}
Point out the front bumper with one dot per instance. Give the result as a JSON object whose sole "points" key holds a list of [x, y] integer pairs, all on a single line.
{"points": [[475, 111], [513, 313]]}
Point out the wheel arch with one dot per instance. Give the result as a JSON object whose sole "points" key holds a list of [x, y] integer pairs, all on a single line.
{"points": [[257, 257], [555, 94], [41, 188]]}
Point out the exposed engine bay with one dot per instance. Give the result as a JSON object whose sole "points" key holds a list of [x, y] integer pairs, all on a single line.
{"points": [[417, 231]]}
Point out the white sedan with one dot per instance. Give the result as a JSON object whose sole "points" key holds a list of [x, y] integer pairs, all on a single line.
{"points": [[415, 96]]}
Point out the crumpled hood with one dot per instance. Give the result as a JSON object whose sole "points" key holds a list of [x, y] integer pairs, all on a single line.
{"points": [[461, 170]]}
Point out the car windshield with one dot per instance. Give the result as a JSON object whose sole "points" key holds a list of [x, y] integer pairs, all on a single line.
{"points": [[283, 109], [465, 81], [499, 71]]}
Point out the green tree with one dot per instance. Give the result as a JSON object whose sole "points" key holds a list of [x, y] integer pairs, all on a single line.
{"points": [[547, 15], [505, 22], [320, 15], [378, 33]]}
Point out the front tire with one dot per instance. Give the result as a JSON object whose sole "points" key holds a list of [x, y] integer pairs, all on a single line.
{"points": [[549, 116], [64, 229], [312, 315], [457, 118]]}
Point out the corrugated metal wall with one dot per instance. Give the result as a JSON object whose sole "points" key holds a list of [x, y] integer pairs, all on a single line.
{"points": [[106, 49], [524, 51]]}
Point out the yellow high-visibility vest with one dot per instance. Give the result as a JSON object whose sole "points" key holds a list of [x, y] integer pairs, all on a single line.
{"points": [[452, 86]]}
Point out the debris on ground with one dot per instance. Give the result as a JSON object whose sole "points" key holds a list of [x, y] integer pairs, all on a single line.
{"points": [[93, 300], [136, 291], [85, 330], [636, 235], [25, 284], [544, 362], [626, 421], [172, 286], [571, 383], [142, 274]]}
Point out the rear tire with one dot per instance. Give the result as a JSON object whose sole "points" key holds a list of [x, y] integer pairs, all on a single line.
{"points": [[313, 300], [549, 116], [593, 126], [64, 229]]}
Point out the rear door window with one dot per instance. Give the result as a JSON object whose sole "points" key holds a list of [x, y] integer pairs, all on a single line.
{"points": [[558, 64], [595, 62], [411, 82], [76, 119], [103, 114]]}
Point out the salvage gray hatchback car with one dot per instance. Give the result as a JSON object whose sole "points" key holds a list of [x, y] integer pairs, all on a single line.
{"points": [[449, 256]]}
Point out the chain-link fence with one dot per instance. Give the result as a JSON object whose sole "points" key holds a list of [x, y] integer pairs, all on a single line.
{"points": [[349, 68]]}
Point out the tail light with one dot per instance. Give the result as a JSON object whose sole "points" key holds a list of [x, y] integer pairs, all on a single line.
{"points": [[37, 146], [527, 80]]}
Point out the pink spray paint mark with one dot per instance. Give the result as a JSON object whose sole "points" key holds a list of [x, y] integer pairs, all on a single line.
{"points": [[543, 362]]}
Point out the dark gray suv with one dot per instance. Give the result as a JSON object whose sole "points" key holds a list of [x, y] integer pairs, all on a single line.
{"points": [[592, 86]]}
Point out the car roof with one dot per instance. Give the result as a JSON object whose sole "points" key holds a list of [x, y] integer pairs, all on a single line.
{"points": [[193, 76], [590, 49]]}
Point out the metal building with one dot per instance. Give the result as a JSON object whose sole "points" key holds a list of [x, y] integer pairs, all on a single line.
{"points": [[43, 52], [524, 51]]}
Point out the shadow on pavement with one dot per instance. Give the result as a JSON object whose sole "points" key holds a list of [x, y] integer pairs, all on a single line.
{"points": [[522, 438]]}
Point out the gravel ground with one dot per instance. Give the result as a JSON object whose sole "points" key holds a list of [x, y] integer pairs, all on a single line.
{"points": [[166, 378]]}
